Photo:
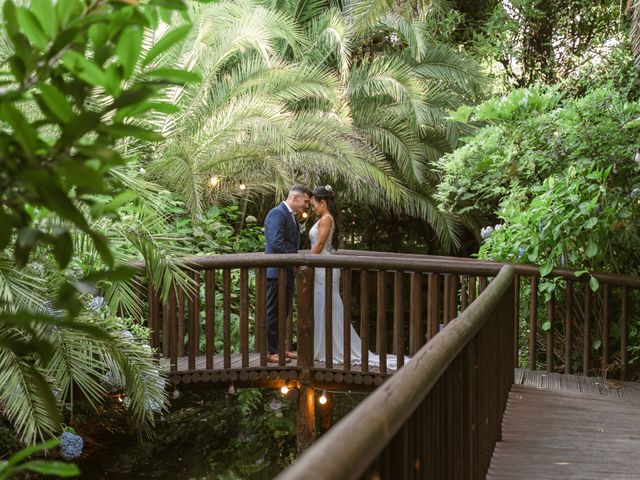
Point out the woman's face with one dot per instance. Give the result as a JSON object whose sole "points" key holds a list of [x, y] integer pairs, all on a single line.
{"points": [[317, 205]]}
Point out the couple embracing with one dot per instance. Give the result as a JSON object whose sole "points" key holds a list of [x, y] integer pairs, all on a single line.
{"points": [[282, 235]]}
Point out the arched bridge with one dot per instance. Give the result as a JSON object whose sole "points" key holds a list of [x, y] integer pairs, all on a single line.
{"points": [[467, 324]]}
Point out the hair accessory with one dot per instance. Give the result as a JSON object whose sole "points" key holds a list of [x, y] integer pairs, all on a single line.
{"points": [[328, 188]]}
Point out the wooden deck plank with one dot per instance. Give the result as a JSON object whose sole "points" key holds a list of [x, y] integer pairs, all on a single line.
{"points": [[577, 384], [566, 434]]}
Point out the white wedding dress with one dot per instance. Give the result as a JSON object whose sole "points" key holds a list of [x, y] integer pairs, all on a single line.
{"points": [[337, 316]]}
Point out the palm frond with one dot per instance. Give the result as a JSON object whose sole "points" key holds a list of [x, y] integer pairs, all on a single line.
{"points": [[25, 398]]}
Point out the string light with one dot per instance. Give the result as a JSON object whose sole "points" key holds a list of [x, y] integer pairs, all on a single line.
{"points": [[242, 186], [323, 397], [214, 180], [305, 215], [284, 389]]}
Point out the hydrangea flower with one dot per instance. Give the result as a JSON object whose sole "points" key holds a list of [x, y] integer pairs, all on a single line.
{"points": [[97, 303], [70, 445], [275, 405], [520, 252], [486, 232]]}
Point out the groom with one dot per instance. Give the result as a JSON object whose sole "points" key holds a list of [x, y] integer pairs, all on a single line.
{"points": [[282, 235]]}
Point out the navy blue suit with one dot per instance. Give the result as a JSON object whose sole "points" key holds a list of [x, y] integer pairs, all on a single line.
{"points": [[282, 235]]}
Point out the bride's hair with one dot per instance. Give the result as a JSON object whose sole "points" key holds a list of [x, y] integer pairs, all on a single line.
{"points": [[326, 193]]}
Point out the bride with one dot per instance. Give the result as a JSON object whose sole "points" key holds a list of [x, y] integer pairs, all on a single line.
{"points": [[324, 241]]}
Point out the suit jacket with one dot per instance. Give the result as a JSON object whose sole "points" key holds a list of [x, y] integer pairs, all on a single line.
{"points": [[282, 234]]}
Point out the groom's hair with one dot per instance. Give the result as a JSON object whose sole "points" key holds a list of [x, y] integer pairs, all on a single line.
{"points": [[300, 188]]}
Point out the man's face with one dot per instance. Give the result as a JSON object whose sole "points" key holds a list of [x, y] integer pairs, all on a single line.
{"points": [[300, 202]]}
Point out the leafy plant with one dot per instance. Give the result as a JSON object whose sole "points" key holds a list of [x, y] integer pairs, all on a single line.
{"points": [[68, 102], [19, 462]]}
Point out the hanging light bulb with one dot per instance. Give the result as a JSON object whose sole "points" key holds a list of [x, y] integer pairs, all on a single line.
{"points": [[214, 180], [305, 215], [323, 397], [242, 186], [284, 389]]}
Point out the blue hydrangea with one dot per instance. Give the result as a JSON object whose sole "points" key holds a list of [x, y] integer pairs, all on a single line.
{"points": [[486, 232], [520, 252], [71, 445], [97, 303]]}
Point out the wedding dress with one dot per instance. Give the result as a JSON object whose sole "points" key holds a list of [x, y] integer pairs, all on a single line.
{"points": [[337, 315]]}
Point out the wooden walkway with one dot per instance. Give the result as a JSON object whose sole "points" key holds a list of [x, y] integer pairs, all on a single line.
{"points": [[569, 427]]}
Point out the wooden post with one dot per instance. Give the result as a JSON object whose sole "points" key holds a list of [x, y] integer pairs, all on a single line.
{"points": [[306, 418]]}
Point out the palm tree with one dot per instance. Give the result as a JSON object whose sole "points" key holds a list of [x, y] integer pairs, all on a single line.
{"points": [[258, 115], [289, 92]]}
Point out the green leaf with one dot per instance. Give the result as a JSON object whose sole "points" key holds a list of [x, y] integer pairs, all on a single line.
{"points": [[31, 449], [173, 75], [84, 69], [594, 284], [23, 132], [51, 467], [56, 102], [546, 326], [589, 224], [592, 249], [128, 49], [56, 200], [46, 15], [579, 273], [100, 242], [169, 4], [80, 125], [32, 28], [63, 249], [80, 175], [121, 130], [597, 343], [101, 152], [121, 199], [67, 9], [25, 243], [546, 268], [167, 41]]}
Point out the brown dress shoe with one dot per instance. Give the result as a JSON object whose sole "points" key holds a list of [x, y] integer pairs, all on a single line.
{"points": [[291, 355], [275, 358]]}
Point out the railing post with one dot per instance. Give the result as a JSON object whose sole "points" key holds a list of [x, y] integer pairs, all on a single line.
{"points": [[306, 419]]}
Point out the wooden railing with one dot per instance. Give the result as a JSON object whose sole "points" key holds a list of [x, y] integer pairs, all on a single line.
{"points": [[397, 302], [438, 417], [573, 329]]}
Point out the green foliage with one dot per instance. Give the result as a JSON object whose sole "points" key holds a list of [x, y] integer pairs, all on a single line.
{"points": [[19, 462], [221, 229], [565, 168], [573, 219], [69, 99], [525, 42]]}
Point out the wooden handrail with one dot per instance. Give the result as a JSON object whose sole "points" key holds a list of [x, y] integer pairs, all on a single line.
{"points": [[350, 448], [617, 279], [390, 261]]}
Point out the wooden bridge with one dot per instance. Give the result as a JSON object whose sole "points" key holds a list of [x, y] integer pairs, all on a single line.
{"points": [[460, 320]]}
